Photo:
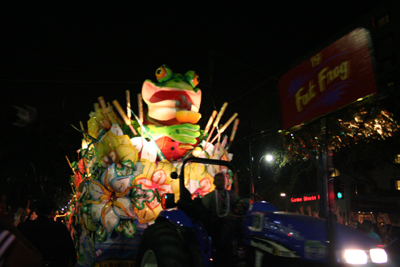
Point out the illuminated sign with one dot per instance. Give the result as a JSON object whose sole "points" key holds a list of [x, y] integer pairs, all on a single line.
{"points": [[334, 77], [304, 198]]}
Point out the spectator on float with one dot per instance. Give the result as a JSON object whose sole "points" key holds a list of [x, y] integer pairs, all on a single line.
{"points": [[222, 203]]}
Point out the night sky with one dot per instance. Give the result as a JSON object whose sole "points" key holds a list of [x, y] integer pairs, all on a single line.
{"points": [[60, 57]]}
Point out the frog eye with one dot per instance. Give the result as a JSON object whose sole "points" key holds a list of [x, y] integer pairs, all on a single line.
{"points": [[192, 78], [163, 73], [195, 81]]}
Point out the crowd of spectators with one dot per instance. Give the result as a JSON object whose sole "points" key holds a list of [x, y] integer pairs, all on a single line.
{"points": [[32, 236]]}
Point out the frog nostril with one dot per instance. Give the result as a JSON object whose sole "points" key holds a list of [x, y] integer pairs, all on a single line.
{"points": [[176, 81]]}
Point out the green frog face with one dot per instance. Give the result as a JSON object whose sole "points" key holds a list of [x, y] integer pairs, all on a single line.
{"points": [[171, 93]]}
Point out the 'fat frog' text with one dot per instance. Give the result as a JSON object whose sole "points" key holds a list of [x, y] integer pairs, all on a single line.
{"points": [[325, 77]]}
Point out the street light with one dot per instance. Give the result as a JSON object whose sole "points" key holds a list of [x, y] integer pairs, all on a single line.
{"points": [[268, 158]]}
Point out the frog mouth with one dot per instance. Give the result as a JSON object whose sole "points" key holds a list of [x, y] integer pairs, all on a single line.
{"points": [[167, 97]]}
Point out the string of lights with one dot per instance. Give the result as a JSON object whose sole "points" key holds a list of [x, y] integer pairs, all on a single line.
{"points": [[363, 126]]}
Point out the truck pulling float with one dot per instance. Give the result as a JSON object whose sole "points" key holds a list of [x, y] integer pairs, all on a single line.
{"points": [[127, 210]]}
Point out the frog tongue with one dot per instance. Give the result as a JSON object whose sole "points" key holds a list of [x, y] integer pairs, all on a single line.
{"points": [[170, 95]]}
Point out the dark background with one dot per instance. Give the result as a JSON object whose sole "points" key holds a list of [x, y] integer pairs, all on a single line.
{"points": [[60, 57]]}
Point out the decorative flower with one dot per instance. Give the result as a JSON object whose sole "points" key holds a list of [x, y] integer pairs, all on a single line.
{"points": [[205, 187], [110, 201], [140, 196], [125, 168], [121, 144], [109, 159], [127, 227], [157, 186], [142, 210]]}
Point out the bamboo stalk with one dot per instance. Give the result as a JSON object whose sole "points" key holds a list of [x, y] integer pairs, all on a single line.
{"points": [[69, 163], [223, 128], [228, 123], [234, 129], [73, 189], [124, 117], [140, 105], [221, 112], [210, 120], [233, 133], [224, 141], [82, 128], [215, 124], [114, 118], [218, 134], [96, 107], [128, 104], [215, 137], [104, 108]]}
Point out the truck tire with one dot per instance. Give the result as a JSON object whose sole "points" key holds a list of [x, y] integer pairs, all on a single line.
{"points": [[161, 246]]}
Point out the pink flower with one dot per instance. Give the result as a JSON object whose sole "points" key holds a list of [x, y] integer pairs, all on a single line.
{"points": [[205, 187], [157, 185]]}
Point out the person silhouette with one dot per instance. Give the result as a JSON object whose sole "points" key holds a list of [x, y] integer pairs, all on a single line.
{"points": [[51, 238], [222, 204], [15, 249]]}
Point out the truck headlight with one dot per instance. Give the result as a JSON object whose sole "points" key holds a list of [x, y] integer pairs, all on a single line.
{"points": [[356, 256], [378, 255]]}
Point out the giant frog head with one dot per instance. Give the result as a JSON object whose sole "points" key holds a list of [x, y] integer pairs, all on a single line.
{"points": [[174, 98]]}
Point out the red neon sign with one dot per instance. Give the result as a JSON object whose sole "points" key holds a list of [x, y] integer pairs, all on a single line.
{"points": [[305, 198], [297, 199]]}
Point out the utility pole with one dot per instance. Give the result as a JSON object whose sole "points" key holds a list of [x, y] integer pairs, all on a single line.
{"points": [[327, 197]]}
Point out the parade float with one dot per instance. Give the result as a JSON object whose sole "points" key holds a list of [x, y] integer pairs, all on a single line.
{"points": [[125, 163]]}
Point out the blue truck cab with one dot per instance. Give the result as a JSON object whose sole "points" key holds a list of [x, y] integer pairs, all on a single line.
{"points": [[276, 236], [271, 237]]}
